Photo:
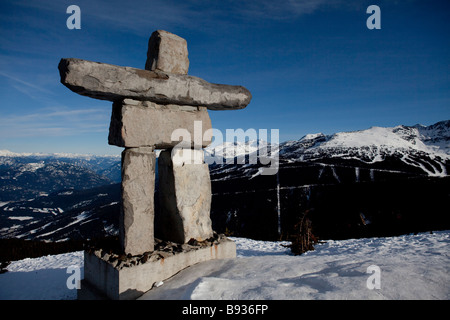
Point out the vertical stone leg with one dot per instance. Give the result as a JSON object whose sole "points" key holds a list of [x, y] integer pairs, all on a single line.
{"points": [[138, 186], [184, 196]]}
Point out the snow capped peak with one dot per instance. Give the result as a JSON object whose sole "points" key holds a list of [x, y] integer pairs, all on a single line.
{"points": [[7, 153], [424, 147], [312, 136], [235, 148], [392, 139], [375, 136], [433, 139]]}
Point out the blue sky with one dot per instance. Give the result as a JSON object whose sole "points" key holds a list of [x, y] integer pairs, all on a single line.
{"points": [[312, 66]]}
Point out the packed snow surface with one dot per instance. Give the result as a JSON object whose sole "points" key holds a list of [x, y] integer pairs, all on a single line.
{"points": [[410, 267], [41, 278]]}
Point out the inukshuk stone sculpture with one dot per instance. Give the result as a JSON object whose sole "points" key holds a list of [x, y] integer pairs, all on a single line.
{"points": [[148, 106]]}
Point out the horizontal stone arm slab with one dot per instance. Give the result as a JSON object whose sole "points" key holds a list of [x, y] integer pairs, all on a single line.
{"points": [[109, 82]]}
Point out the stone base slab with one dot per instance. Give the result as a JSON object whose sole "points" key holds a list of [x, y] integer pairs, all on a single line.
{"points": [[122, 281]]}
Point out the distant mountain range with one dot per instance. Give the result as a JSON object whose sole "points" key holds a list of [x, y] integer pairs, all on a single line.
{"points": [[425, 148], [379, 181], [374, 181], [422, 149], [58, 196], [28, 175]]}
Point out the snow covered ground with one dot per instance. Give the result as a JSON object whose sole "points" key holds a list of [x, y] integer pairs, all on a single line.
{"points": [[41, 278], [407, 267]]}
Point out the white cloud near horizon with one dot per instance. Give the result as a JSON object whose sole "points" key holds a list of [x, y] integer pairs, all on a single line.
{"points": [[48, 123]]}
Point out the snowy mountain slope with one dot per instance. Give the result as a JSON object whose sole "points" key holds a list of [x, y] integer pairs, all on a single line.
{"points": [[231, 150], [54, 197], [62, 215], [411, 267], [436, 135], [423, 149], [427, 148], [434, 139]]}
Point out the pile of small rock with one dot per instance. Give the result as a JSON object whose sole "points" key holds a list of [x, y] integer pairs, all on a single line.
{"points": [[163, 249]]}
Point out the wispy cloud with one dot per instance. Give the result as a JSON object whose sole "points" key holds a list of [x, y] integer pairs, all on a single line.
{"points": [[25, 83], [282, 9], [141, 16], [136, 16], [47, 123]]}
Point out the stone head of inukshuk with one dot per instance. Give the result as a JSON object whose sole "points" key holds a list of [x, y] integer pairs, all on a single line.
{"points": [[149, 106]]}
